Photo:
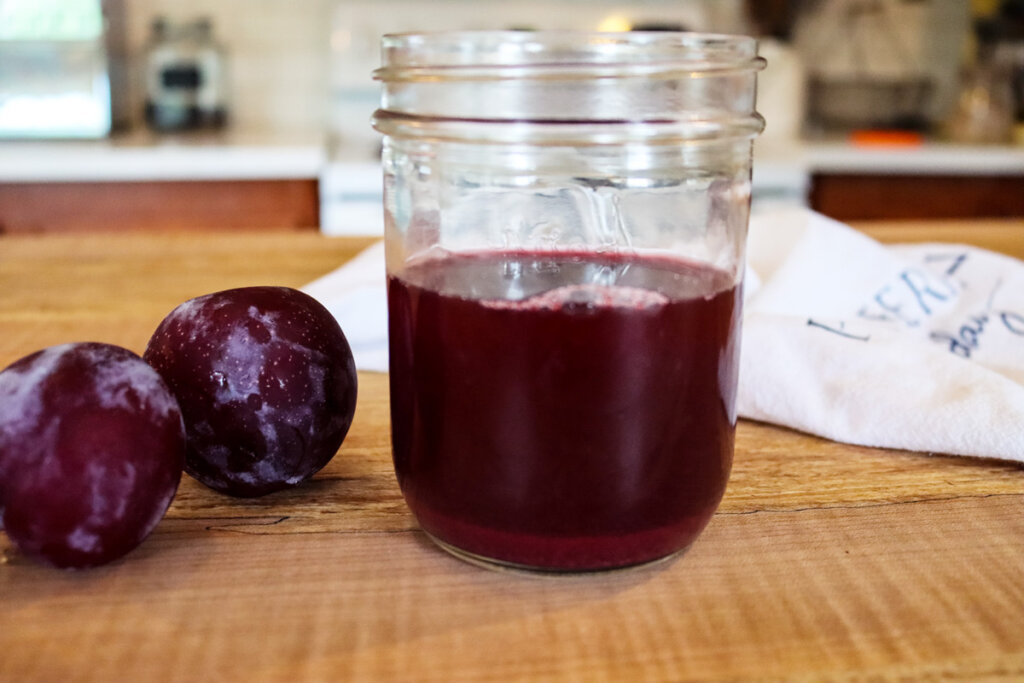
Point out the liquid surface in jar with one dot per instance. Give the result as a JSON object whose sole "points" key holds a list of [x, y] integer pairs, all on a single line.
{"points": [[561, 410]]}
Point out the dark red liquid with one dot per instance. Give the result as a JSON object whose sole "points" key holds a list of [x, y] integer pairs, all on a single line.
{"points": [[564, 427]]}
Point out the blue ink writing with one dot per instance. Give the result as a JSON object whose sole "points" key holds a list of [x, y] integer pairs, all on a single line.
{"points": [[914, 294], [1014, 322], [966, 340], [958, 260], [920, 286], [841, 330]]}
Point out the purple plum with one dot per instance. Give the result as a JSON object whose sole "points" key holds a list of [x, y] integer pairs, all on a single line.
{"points": [[92, 447], [266, 383]]}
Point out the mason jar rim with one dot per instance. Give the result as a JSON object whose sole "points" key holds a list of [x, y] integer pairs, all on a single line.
{"points": [[489, 55]]}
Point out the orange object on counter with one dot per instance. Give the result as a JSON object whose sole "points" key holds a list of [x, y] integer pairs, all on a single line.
{"points": [[876, 138]]}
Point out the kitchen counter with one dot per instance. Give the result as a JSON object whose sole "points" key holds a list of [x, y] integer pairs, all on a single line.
{"points": [[263, 178], [928, 158], [145, 156], [238, 155], [878, 181], [824, 561], [148, 182]]}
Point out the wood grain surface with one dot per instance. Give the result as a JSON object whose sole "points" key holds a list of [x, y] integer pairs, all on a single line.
{"points": [[825, 561]]}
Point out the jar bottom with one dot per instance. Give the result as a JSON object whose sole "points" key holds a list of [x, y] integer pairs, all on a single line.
{"points": [[506, 566], [596, 551]]}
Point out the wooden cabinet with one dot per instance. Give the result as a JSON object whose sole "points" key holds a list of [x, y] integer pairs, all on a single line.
{"points": [[861, 196], [159, 205]]}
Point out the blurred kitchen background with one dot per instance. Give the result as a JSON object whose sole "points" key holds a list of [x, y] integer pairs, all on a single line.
{"points": [[199, 114]]}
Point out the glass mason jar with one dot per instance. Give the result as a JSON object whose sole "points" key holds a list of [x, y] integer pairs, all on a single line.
{"points": [[566, 218]]}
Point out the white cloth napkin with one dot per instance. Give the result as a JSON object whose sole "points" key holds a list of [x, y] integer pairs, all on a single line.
{"points": [[918, 347], [356, 294]]}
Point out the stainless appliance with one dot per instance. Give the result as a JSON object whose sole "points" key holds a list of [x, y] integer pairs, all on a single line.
{"points": [[54, 69], [880, 63]]}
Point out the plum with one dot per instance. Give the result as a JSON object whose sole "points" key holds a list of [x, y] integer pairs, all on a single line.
{"points": [[92, 448], [266, 382]]}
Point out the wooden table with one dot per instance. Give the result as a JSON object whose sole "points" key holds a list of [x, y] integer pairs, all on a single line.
{"points": [[825, 560]]}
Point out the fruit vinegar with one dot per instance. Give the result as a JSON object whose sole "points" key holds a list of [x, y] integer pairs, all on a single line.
{"points": [[563, 411]]}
